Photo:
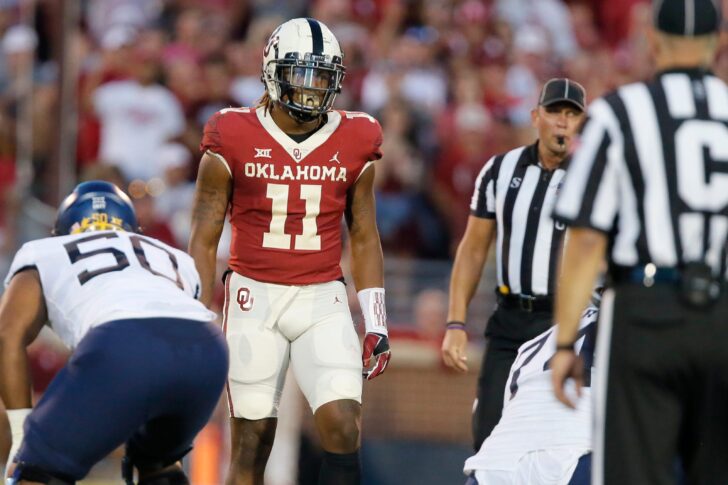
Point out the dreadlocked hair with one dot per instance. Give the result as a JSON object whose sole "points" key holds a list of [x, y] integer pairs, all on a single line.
{"points": [[266, 102]]}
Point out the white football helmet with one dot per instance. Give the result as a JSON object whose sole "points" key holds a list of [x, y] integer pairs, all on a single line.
{"points": [[302, 68]]}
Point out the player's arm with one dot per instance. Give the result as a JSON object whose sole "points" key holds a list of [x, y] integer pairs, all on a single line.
{"points": [[212, 196], [22, 315], [585, 242], [367, 260], [584, 251], [469, 261], [367, 268]]}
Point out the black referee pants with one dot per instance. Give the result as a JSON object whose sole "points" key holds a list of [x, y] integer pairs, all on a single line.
{"points": [[664, 398], [506, 331]]}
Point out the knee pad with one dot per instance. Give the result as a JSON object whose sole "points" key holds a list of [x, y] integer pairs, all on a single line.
{"points": [[32, 473], [249, 403]]}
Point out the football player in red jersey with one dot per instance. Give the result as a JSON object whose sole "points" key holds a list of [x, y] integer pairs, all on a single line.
{"points": [[289, 170]]}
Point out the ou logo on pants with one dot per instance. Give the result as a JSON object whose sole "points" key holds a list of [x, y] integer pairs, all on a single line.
{"points": [[245, 300]]}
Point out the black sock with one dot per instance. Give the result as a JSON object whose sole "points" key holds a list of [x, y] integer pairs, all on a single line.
{"points": [[340, 469]]}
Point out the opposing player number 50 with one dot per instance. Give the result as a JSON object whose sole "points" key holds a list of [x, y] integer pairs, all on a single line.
{"points": [[276, 237]]}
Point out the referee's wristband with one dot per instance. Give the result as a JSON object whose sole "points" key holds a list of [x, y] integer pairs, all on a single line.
{"points": [[455, 325], [569, 347]]}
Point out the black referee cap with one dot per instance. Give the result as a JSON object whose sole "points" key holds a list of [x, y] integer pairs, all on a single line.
{"points": [[563, 90], [687, 17]]}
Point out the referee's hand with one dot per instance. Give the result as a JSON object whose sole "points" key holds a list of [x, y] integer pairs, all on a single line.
{"points": [[453, 349], [566, 364]]}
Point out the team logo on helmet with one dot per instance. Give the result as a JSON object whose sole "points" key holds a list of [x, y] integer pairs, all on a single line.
{"points": [[98, 221], [272, 43], [98, 203]]}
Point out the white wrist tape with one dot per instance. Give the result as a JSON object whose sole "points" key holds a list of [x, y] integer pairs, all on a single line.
{"points": [[372, 305], [17, 419]]}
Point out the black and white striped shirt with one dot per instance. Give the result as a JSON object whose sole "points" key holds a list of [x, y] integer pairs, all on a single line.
{"points": [[515, 190], [651, 171]]}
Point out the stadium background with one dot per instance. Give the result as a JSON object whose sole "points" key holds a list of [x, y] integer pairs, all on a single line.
{"points": [[120, 90]]}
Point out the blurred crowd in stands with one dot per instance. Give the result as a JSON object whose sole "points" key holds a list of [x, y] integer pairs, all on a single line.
{"points": [[451, 81]]}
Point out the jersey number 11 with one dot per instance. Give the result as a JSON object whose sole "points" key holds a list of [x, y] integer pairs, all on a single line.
{"points": [[276, 238]]}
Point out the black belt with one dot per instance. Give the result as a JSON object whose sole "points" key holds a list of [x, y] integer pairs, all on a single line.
{"points": [[646, 275], [695, 282], [526, 303]]}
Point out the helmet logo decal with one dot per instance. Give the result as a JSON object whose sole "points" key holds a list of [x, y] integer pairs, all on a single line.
{"points": [[98, 221], [272, 43], [98, 203]]}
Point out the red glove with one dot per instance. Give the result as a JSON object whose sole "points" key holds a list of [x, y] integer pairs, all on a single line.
{"points": [[376, 349]]}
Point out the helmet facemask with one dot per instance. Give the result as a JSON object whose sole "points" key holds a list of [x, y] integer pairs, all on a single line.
{"points": [[306, 87]]}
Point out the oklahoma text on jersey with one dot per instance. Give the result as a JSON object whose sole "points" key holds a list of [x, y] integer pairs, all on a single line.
{"points": [[289, 198], [273, 171]]}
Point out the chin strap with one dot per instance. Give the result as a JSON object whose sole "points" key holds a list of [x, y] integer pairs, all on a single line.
{"points": [[299, 116]]}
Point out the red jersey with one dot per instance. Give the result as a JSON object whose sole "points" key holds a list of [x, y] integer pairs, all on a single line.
{"points": [[288, 198]]}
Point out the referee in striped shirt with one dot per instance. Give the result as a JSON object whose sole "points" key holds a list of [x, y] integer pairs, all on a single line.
{"points": [[648, 187], [513, 200]]}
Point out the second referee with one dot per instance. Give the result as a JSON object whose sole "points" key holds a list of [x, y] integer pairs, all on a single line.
{"points": [[512, 202]]}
